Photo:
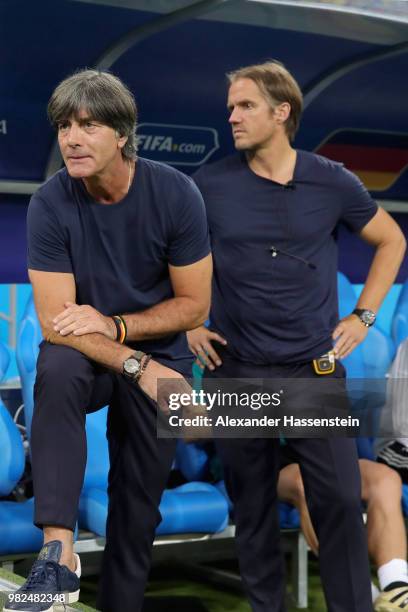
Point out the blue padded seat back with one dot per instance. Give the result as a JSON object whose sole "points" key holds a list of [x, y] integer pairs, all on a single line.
{"points": [[373, 357], [97, 464], [192, 460], [365, 448], [12, 458], [400, 318], [17, 531], [29, 338], [193, 507], [378, 353], [28, 341], [354, 363], [4, 360]]}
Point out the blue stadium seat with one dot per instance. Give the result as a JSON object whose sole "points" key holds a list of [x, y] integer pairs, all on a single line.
{"points": [[371, 360], [11, 446], [192, 460], [28, 341], [195, 507], [354, 363], [373, 357], [400, 319], [12, 453], [4, 360], [17, 532], [97, 463]]}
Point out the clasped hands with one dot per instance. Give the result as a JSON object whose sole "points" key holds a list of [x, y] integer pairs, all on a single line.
{"points": [[82, 320]]}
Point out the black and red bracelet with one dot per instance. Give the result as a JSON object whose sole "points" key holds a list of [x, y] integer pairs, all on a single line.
{"points": [[121, 329]]}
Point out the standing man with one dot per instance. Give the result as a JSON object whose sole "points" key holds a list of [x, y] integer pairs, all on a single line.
{"points": [[272, 212], [381, 491], [120, 267]]}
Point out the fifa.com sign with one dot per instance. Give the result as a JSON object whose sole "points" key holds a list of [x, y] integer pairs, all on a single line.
{"points": [[183, 145]]}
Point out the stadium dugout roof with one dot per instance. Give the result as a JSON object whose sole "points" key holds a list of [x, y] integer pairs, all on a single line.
{"points": [[350, 57]]}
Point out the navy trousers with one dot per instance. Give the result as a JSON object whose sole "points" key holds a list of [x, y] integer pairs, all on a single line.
{"points": [[331, 478], [69, 385]]}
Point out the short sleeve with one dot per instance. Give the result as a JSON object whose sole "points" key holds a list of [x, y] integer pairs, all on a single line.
{"points": [[47, 248], [198, 178], [190, 238], [357, 207]]}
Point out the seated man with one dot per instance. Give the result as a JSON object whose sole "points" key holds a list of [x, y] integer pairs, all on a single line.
{"points": [[120, 265], [381, 492]]}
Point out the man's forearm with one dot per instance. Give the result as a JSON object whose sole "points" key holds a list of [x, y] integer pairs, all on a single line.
{"points": [[382, 274], [174, 315], [95, 346]]}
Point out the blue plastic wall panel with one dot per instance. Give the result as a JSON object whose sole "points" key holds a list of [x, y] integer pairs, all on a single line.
{"points": [[41, 43], [13, 242]]}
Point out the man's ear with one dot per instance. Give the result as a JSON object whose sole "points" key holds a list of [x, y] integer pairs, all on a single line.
{"points": [[282, 112], [122, 140]]}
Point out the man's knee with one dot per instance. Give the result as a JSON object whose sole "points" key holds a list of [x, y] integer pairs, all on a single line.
{"points": [[62, 368], [382, 484], [346, 499]]}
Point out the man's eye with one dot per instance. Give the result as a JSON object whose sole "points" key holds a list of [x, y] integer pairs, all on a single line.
{"points": [[90, 126], [62, 126]]}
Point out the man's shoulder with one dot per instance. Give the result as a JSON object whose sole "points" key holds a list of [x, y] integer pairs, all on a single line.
{"points": [[329, 173], [227, 164], [219, 170], [322, 167], [56, 185], [163, 174]]}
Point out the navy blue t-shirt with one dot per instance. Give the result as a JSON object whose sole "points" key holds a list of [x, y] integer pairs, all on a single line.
{"points": [[278, 309], [119, 253]]}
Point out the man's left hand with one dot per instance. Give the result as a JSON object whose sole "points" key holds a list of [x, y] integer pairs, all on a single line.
{"points": [[348, 334], [81, 320]]}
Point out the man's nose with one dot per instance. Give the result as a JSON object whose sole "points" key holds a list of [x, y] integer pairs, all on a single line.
{"points": [[74, 135], [234, 116]]}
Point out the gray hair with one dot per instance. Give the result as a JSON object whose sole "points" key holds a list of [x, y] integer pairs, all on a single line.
{"points": [[104, 97]]}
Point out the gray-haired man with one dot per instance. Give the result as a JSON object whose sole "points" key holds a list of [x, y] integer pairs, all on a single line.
{"points": [[120, 267]]}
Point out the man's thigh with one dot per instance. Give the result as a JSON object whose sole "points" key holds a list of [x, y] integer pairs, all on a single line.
{"points": [[329, 467], [62, 370]]}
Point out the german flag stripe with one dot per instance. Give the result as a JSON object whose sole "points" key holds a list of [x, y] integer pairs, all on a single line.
{"points": [[378, 158], [389, 140], [370, 159], [377, 181]]}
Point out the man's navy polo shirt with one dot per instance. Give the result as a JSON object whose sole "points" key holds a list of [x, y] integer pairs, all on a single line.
{"points": [[282, 308], [119, 253]]}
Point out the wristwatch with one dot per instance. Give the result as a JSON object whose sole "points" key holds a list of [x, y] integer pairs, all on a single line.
{"points": [[132, 366], [367, 317]]}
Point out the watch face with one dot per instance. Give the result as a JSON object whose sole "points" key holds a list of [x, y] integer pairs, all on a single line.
{"points": [[131, 366], [368, 317]]}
